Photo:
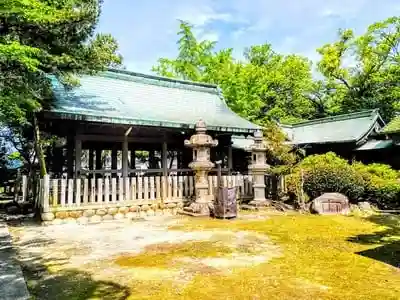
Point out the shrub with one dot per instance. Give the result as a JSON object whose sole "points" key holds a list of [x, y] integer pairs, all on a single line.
{"points": [[377, 183], [326, 173], [334, 179], [382, 184]]}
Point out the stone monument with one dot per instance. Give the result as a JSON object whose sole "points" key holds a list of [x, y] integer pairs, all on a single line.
{"points": [[258, 169], [201, 165]]}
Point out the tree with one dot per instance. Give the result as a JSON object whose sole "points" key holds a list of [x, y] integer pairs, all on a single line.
{"points": [[364, 71], [40, 39], [265, 86]]}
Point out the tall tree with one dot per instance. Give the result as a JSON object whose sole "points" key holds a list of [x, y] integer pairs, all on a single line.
{"points": [[265, 86], [364, 71], [40, 38]]}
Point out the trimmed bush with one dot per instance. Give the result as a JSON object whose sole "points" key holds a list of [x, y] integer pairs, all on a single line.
{"points": [[323, 174], [382, 184], [318, 174]]}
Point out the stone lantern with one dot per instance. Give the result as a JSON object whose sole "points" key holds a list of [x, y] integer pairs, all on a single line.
{"points": [[258, 169], [201, 144]]}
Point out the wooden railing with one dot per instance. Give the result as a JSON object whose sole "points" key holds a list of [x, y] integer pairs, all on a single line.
{"points": [[83, 192]]}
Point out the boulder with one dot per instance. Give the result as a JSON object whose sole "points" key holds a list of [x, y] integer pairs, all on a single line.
{"points": [[83, 220], [89, 213], [95, 219], [12, 209], [330, 203], [47, 216], [108, 217], [113, 211], [365, 206], [119, 216]]}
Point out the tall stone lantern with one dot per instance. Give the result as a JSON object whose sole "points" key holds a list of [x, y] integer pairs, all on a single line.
{"points": [[258, 169], [201, 144]]}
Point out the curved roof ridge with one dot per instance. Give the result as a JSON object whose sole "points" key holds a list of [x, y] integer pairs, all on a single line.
{"points": [[156, 78], [341, 117]]}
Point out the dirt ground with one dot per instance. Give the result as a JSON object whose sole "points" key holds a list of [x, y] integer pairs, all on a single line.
{"points": [[110, 252]]}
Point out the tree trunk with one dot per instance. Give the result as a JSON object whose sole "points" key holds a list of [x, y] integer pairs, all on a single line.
{"points": [[39, 149]]}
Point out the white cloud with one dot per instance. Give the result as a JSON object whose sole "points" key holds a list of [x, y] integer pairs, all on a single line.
{"points": [[147, 30]]}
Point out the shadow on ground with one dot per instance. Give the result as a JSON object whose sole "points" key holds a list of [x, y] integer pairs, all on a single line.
{"points": [[388, 239], [48, 279]]}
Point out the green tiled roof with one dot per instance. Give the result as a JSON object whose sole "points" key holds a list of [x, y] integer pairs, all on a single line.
{"points": [[241, 142], [342, 128], [393, 126], [375, 145], [123, 97]]}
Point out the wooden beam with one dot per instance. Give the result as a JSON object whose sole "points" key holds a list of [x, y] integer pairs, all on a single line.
{"points": [[128, 131], [117, 138]]}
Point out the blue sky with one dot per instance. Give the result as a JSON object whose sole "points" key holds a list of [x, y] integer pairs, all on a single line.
{"points": [[146, 30]]}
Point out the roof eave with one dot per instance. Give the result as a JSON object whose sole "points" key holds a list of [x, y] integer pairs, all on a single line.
{"points": [[136, 122]]}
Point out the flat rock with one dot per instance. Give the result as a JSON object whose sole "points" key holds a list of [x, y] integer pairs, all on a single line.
{"points": [[330, 203]]}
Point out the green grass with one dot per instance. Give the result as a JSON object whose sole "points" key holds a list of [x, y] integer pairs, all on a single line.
{"points": [[324, 258], [163, 255], [333, 257]]}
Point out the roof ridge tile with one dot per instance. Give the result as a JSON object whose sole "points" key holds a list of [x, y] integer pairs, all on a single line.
{"points": [[160, 80], [341, 117]]}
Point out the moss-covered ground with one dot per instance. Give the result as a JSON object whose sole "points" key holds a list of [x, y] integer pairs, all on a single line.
{"points": [[321, 257]]}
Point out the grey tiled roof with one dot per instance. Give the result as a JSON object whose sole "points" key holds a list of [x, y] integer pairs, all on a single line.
{"points": [[131, 98]]}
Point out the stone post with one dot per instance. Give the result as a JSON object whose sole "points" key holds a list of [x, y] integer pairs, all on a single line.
{"points": [[201, 165], [258, 169]]}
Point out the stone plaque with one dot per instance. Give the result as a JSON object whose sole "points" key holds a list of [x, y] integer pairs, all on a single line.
{"points": [[330, 203], [225, 205]]}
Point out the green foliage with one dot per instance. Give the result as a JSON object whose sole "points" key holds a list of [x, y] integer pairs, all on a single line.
{"points": [[281, 156], [326, 173], [318, 174], [42, 38], [363, 71], [358, 72], [266, 85], [382, 183]]}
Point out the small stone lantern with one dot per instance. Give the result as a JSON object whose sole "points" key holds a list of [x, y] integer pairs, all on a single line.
{"points": [[258, 169], [201, 165]]}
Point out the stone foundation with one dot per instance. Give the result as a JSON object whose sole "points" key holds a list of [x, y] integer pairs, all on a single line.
{"points": [[98, 213]]}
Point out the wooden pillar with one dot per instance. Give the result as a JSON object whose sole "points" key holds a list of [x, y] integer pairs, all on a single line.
{"points": [[78, 157], [164, 165], [114, 161], [164, 159], [179, 159], [230, 158], [125, 157], [133, 159], [70, 157], [99, 164], [91, 159], [152, 159]]}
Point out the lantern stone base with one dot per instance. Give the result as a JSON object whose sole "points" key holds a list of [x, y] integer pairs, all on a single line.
{"points": [[201, 208], [260, 203]]}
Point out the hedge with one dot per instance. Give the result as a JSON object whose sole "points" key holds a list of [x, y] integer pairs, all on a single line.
{"points": [[318, 174]]}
